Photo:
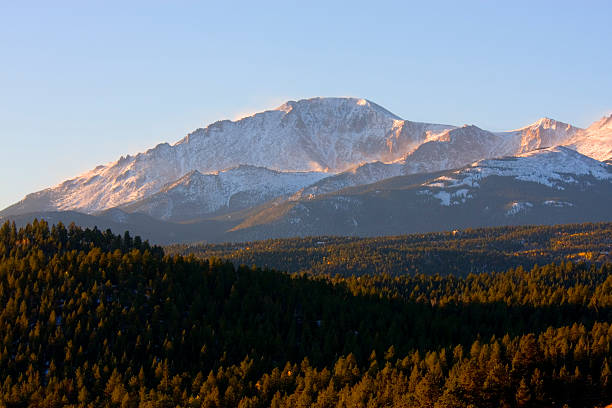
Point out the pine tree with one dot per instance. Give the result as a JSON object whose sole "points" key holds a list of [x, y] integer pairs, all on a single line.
{"points": [[523, 394]]}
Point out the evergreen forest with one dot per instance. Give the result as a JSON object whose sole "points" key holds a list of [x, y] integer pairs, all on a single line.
{"points": [[458, 252], [499, 317]]}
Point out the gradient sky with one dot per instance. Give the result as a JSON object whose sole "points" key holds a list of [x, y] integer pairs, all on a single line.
{"points": [[84, 82]]}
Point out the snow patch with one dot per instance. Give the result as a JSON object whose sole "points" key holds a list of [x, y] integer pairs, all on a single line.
{"points": [[551, 167], [448, 198], [444, 197], [517, 207], [557, 204]]}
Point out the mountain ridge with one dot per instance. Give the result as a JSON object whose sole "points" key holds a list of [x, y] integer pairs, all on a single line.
{"points": [[546, 186], [538, 187], [327, 143]]}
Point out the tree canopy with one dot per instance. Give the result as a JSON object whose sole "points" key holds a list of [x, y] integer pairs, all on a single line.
{"points": [[90, 318]]}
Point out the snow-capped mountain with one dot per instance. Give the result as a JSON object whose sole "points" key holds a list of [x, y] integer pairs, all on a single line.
{"points": [[196, 195], [452, 148], [545, 186], [554, 167], [448, 149], [455, 148], [364, 174], [594, 141], [301, 149], [545, 132], [319, 134]]}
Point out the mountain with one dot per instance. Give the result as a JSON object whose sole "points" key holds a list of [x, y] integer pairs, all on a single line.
{"points": [[554, 167], [196, 195], [453, 148], [236, 177], [595, 141], [319, 134], [546, 186], [364, 174], [545, 132]]}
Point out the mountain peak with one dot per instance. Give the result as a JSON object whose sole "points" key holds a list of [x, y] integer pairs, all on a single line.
{"points": [[194, 176], [545, 121], [460, 132], [603, 123], [467, 127], [545, 132], [332, 104], [596, 140], [548, 123]]}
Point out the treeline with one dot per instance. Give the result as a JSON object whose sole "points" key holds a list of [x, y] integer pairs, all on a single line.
{"points": [[583, 285], [455, 252], [89, 318]]}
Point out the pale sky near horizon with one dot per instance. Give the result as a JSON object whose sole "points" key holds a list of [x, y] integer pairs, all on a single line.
{"points": [[82, 83]]}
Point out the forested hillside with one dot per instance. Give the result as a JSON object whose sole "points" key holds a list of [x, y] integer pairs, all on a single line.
{"points": [[90, 318], [455, 252]]}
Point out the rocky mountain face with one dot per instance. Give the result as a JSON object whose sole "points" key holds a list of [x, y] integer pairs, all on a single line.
{"points": [[364, 174], [595, 141], [554, 167], [552, 185], [196, 195], [452, 148], [543, 133], [320, 134], [277, 161]]}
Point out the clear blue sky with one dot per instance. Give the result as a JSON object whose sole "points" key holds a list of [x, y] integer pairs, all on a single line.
{"points": [[84, 82]]}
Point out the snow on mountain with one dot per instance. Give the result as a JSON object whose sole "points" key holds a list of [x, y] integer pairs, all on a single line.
{"points": [[516, 207], [354, 141], [319, 134], [457, 147], [449, 149], [595, 141], [364, 174], [546, 186], [196, 195], [545, 132], [460, 146], [454, 148], [552, 167]]}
